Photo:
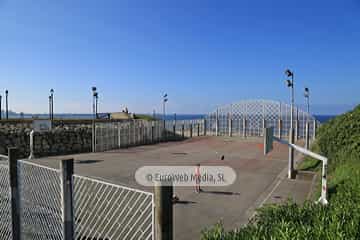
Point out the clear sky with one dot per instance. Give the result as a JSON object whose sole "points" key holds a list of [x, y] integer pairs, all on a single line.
{"points": [[202, 53]]}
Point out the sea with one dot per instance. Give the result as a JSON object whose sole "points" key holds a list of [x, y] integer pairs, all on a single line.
{"points": [[320, 118]]}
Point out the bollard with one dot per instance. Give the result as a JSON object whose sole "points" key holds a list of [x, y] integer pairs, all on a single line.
{"points": [[15, 193], [307, 137], [291, 172], [163, 211], [67, 171]]}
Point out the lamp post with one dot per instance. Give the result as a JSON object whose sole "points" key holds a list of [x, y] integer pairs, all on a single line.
{"points": [[7, 104], [93, 94], [52, 103], [165, 99], [0, 107], [50, 107], [307, 97], [96, 95], [290, 84]]}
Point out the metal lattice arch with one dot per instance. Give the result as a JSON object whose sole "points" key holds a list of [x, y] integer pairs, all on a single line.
{"points": [[248, 117]]}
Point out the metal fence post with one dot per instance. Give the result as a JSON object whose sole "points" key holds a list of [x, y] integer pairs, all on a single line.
{"points": [[217, 123], [15, 193], [280, 129], [163, 211], [314, 131], [291, 173], [32, 154], [152, 132], [296, 130], [191, 130], [244, 127], [119, 135], [67, 171], [204, 127], [307, 137], [93, 136], [198, 129], [182, 130], [230, 125]]}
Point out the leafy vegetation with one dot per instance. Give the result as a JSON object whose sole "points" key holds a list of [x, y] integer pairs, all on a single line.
{"points": [[339, 140]]}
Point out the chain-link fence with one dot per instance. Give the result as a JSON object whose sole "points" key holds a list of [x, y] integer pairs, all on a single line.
{"points": [[5, 205], [248, 118], [40, 198]]}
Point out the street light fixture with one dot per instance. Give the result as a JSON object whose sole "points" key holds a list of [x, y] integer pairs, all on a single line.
{"points": [[7, 104]]}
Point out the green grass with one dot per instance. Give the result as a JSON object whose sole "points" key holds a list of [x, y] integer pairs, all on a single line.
{"points": [[339, 140]]}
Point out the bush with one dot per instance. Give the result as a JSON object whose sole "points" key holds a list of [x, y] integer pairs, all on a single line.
{"points": [[339, 140]]}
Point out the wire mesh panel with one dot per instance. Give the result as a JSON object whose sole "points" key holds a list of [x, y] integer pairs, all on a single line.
{"points": [[5, 207], [40, 196], [108, 211], [250, 116]]}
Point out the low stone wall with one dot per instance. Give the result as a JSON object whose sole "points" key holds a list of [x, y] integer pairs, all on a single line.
{"points": [[59, 141]]}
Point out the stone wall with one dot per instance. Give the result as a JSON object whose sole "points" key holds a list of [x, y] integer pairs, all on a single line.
{"points": [[61, 140]]}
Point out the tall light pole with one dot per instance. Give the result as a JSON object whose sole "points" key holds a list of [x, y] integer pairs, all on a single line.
{"points": [[307, 97], [52, 103], [96, 95], [0, 107], [93, 89], [290, 84], [165, 99], [7, 104], [50, 107]]}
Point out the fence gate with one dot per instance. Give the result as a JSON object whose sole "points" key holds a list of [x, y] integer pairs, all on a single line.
{"points": [[102, 210]]}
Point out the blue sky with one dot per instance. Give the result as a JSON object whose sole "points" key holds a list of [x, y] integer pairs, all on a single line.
{"points": [[202, 53]]}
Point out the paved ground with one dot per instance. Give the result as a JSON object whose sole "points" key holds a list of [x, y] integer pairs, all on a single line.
{"points": [[260, 179]]}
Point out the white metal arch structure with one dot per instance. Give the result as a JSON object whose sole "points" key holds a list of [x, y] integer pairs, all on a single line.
{"points": [[248, 118]]}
